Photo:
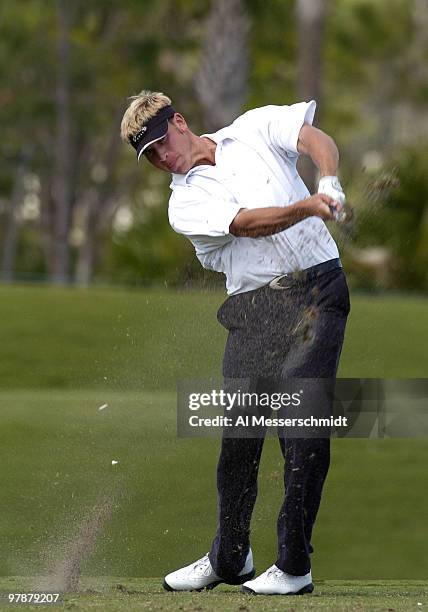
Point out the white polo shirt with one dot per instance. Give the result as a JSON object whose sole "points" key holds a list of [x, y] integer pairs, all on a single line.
{"points": [[255, 167]]}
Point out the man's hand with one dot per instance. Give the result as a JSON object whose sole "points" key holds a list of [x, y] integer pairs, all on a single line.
{"points": [[329, 185], [320, 205]]}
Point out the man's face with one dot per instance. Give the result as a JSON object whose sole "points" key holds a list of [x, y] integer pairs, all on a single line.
{"points": [[172, 152]]}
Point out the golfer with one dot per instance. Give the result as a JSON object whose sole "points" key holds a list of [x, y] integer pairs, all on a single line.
{"points": [[237, 196]]}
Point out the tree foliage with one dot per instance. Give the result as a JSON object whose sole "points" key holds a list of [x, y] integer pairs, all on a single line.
{"points": [[374, 91]]}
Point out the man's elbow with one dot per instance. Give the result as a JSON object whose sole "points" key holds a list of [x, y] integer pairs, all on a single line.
{"points": [[237, 227], [234, 228], [331, 146]]}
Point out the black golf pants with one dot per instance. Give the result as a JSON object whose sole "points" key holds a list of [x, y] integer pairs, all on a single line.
{"points": [[295, 331]]}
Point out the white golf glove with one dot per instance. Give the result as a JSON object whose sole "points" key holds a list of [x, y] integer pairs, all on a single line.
{"points": [[329, 185]]}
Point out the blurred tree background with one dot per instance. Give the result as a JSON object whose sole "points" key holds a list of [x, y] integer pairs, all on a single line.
{"points": [[76, 208]]}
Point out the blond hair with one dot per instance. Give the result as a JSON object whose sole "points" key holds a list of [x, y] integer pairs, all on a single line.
{"points": [[143, 107]]}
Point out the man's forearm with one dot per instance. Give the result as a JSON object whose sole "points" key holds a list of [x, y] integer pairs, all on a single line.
{"points": [[266, 221], [321, 148], [257, 222], [325, 156]]}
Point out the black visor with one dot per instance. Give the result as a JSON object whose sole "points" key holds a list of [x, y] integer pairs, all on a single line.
{"points": [[154, 129]]}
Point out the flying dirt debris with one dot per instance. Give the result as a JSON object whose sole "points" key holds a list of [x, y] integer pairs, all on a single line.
{"points": [[65, 572]]}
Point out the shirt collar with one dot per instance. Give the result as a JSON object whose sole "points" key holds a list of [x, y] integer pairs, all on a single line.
{"points": [[218, 137]]}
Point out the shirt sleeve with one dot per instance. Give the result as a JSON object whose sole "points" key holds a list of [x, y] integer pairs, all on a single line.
{"points": [[195, 213], [280, 125]]}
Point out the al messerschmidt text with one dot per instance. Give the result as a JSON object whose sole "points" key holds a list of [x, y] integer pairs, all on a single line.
{"points": [[254, 421]]}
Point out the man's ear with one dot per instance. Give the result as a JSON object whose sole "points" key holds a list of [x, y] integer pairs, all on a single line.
{"points": [[180, 123]]}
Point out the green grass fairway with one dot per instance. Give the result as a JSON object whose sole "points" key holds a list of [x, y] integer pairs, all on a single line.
{"points": [[64, 352], [56, 450], [116, 594]]}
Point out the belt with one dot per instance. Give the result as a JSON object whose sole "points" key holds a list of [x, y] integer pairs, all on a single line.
{"points": [[303, 276]]}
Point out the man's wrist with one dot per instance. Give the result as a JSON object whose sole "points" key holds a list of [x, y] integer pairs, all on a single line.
{"points": [[302, 210], [329, 176]]}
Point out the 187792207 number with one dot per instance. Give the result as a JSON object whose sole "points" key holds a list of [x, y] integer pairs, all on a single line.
{"points": [[33, 598]]}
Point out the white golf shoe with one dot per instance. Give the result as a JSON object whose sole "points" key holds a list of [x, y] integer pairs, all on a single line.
{"points": [[200, 575], [276, 582]]}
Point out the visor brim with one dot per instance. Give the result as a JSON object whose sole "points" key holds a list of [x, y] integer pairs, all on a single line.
{"points": [[157, 133]]}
